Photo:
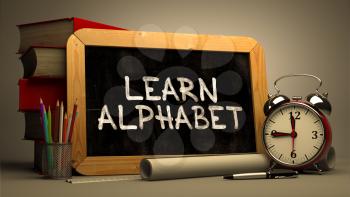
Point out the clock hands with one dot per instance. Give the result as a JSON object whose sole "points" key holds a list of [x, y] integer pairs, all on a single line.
{"points": [[293, 134], [275, 133]]}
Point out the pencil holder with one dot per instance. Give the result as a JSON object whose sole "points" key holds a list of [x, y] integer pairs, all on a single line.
{"points": [[57, 161]]}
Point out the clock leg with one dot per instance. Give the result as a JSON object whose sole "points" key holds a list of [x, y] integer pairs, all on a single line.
{"points": [[273, 165], [318, 169], [315, 169]]}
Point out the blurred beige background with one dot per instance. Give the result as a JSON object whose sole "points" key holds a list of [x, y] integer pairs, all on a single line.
{"points": [[298, 37]]}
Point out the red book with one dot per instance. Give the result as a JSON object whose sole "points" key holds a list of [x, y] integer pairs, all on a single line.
{"points": [[54, 32], [32, 89]]}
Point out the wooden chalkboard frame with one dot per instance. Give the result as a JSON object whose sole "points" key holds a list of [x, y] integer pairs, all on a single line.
{"points": [[104, 165]]}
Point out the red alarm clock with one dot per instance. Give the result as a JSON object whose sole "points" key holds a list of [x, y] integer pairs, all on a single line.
{"points": [[297, 133]]}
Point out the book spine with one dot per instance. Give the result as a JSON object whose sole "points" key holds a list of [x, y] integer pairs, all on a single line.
{"points": [[32, 89]]}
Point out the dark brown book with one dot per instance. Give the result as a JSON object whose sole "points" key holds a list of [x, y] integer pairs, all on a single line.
{"points": [[33, 129], [54, 32], [44, 62]]}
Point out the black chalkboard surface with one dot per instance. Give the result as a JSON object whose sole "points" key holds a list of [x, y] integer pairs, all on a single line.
{"points": [[150, 94], [106, 68]]}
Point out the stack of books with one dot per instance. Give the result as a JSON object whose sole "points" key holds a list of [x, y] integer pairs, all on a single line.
{"points": [[43, 55]]}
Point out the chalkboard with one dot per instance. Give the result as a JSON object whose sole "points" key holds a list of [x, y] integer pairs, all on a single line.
{"points": [[140, 97]]}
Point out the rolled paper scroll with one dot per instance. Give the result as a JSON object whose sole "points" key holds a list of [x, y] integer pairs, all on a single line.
{"points": [[201, 166]]}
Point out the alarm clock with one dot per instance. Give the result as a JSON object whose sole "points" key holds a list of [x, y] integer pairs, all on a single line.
{"points": [[296, 132]]}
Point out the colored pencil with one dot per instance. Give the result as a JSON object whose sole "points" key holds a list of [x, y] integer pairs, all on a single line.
{"points": [[42, 111], [49, 124], [75, 118], [65, 124], [74, 114], [46, 133], [61, 122], [42, 124], [68, 128], [46, 126], [56, 122]]}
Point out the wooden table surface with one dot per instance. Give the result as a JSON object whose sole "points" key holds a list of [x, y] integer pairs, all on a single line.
{"points": [[17, 179]]}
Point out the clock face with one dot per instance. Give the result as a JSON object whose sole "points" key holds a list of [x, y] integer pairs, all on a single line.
{"points": [[294, 134]]}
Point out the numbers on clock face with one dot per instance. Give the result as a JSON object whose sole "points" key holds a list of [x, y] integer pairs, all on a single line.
{"points": [[296, 115], [294, 134]]}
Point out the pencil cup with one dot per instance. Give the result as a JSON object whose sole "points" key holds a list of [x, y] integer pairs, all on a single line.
{"points": [[58, 161]]}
